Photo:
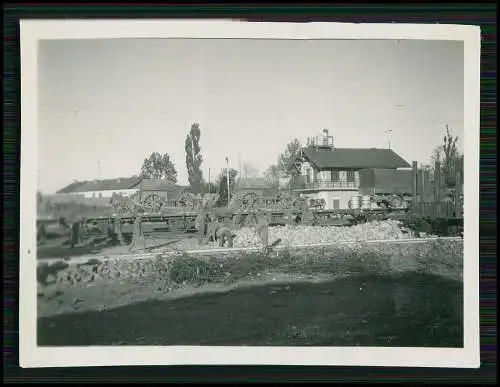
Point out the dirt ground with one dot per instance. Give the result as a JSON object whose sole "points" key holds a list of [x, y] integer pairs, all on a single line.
{"points": [[58, 249], [407, 310]]}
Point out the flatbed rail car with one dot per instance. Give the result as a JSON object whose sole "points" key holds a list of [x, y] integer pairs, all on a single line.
{"points": [[445, 217], [186, 222]]}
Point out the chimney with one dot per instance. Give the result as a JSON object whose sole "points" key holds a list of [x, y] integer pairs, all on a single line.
{"points": [[325, 137], [325, 141]]}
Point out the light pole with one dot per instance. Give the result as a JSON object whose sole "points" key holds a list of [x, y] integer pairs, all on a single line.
{"points": [[227, 178], [209, 186], [388, 132]]}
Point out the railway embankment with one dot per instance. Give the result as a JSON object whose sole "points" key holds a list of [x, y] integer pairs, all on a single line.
{"points": [[104, 282]]}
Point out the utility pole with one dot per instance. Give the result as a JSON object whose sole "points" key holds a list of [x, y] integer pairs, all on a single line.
{"points": [[227, 173], [388, 132], [140, 189], [209, 186], [98, 169]]}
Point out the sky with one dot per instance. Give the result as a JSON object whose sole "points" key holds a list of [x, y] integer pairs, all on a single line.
{"points": [[106, 104]]}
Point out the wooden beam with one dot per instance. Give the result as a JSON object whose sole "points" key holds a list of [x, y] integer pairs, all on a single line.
{"points": [[414, 183], [422, 184], [437, 181]]}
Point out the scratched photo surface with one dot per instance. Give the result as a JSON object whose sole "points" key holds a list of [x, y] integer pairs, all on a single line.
{"points": [[239, 192]]}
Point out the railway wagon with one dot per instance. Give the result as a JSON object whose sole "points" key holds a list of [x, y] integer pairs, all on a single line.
{"points": [[187, 221], [387, 187], [402, 188], [397, 193]]}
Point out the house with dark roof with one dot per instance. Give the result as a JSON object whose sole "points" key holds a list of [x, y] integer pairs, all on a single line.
{"points": [[123, 186], [323, 171], [169, 190], [258, 185]]}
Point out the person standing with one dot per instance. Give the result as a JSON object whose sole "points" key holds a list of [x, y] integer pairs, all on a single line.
{"points": [[201, 226], [262, 228], [138, 235], [75, 234]]}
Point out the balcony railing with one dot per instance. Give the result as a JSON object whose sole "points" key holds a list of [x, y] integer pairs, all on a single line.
{"points": [[328, 184]]}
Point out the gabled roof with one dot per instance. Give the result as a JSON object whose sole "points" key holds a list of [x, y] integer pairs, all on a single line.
{"points": [[156, 185], [101, 185], [124, 183], [257, 183], [73, 187], [77, 199], [176, 192], [355, 158]]}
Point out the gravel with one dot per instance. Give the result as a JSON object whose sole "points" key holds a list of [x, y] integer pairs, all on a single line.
{"points": [[300, 235]]}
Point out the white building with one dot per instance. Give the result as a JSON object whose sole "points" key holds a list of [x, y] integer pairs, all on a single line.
{"points": [[103, 188], [123, 186], [323, 171]]}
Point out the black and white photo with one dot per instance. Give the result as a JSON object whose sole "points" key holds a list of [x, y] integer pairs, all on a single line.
{"points": [[241, 194]]}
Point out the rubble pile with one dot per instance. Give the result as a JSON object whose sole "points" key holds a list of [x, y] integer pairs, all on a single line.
{"points": [[304, 235]]}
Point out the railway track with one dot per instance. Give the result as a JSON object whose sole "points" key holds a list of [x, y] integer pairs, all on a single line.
{"points": [[201, 252]]}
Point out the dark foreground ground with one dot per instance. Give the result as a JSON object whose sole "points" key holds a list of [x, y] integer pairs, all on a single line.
{"points": [[410, 310]]}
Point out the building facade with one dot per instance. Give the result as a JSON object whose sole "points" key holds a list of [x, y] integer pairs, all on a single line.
{"points": [[127, 187], [323, 171]]}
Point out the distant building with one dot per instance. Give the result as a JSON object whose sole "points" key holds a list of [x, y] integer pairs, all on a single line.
{"points": [[323, 171], [123, 186], [258, 185], [170, 191], [103, 188]]}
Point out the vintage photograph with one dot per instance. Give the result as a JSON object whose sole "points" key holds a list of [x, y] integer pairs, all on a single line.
{"points": [[250, 192]]}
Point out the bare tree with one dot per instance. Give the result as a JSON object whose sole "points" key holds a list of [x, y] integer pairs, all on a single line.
{"points": [[451, 158]]}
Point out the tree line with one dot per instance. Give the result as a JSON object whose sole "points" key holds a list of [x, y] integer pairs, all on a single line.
{"points": [[446, 167], [446, 157], [161, 166]]}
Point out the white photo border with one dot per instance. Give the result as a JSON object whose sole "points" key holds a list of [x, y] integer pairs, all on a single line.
{"points": [[32, 356]]}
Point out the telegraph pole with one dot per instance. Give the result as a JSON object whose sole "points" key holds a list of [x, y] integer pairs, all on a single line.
{"points": [[227, 172], [388, 132], [98, 169], [209, 186]]}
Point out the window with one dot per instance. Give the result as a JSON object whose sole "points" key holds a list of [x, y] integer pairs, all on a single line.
{"points": [[336, 203], [308, 175], [350, 176], [335, 176]]}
